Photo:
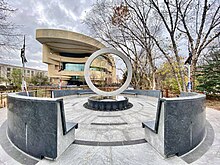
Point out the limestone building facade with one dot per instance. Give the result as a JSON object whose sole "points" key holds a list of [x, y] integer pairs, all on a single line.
{"points": [[66, 53]]}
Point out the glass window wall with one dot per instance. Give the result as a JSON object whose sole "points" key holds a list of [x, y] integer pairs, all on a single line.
{"points": [[74, 67]]}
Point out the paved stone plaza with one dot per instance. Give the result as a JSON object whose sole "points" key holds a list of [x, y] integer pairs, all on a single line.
{"points": [[115, 138]]}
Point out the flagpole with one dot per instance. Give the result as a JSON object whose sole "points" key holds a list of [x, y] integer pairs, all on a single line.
{"points": [[23, 86], [23, 63]]}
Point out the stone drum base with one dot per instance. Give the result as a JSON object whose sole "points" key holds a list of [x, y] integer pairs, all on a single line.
{"points": [[108, 103]]}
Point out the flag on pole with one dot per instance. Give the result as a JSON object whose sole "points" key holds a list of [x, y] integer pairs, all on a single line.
{"points": [[189, 59], [23, 58]]}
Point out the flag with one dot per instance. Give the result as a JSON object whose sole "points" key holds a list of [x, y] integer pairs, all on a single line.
{"points": [[189, 59], [23, 58]]}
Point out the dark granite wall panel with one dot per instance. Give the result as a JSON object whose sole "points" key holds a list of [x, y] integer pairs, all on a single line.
{"points": [[199, 121], [32, 126], [181, 124], [25, 93], [61, 93], [184, 124], [152, 93], [185, 94]]}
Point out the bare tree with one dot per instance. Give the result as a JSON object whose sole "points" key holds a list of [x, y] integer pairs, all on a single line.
{"points": [[139, 28], [9, 37], [123, 26], [206, 16], [167, 12], [195, 22]]}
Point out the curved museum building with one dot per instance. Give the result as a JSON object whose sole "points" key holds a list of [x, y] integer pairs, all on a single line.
{"points": [[66, 53]]}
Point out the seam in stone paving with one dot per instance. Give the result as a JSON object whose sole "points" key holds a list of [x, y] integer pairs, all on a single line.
{"points": [[109, 116], [109, 123], [150, 104], [141, 104], [116, 143], [75, 103]]}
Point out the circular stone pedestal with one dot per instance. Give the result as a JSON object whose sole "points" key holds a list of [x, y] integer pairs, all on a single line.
{"points": [[108, 103]]}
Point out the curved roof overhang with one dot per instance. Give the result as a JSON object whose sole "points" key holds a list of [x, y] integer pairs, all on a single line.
{"points": [[67, 42]]}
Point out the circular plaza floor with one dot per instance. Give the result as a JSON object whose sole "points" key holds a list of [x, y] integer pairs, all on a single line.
{"points": [[115, 126], [115, 138]]}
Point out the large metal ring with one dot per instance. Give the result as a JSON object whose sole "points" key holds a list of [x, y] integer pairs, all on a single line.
{"points": [[87, 72]]}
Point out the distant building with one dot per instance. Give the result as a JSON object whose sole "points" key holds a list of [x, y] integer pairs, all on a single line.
{"points": [[66, 53], [6, 71]]}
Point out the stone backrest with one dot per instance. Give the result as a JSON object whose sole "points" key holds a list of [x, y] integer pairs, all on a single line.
{"points": [[179, 125], [37, 126]]}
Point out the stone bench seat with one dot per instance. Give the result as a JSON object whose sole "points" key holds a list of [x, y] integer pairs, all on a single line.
{"points": [[70, 126], [150, 125]]}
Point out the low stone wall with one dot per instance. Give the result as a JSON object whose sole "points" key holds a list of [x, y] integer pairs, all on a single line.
{"points": [[26, 94], [180, 124], [152, 93], [61, 93], [37, 126], [186, 94]]}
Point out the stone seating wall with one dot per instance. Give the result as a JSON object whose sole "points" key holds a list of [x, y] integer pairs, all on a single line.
{"points": [[179, 125], [37, 126]]}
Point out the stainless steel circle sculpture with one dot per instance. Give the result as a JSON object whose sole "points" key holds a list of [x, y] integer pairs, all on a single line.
{"points": [[87, 72]]}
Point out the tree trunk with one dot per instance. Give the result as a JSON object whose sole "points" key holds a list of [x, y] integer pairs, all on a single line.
{"points": [[183, 80], [153, 80], [178, 82], [182, 77], [193, 71]]}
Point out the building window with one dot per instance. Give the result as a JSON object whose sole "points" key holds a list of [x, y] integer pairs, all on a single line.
{"points": [[98, 69], [73, 67], [32, 73], [8, 72]]}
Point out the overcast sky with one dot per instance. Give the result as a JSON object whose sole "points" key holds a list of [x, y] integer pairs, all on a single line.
{"points": [[33, 14]]}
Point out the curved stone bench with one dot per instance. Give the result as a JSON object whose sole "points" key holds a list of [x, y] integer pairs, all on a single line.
{"points": [[179, 125], [37, 126]]}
